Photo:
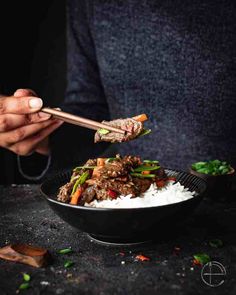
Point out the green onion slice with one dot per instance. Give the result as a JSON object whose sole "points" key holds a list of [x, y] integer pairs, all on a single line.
{"points": [[26, 277], [103, 131], [142, 175], [216, 243], [145, 132], [145, 168], [77, 169], [68, 263], [80, 181], [151, 161], [108, 160], [65, 251], [24, 286], [202, 258]]}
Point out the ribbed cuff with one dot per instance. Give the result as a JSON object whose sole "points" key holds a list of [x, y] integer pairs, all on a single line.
{"points": [[26, 174]]}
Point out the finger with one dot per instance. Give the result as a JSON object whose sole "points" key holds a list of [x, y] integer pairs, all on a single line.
{"points": [[17, 135], [28, 146], [11, 121], [20, 105], [24, 92]]}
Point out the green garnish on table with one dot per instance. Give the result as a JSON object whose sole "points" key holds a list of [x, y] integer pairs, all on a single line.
{"points": [[213, 167], [68, 263], [26, 277], [202, 258], [23, 286], [216, 243], [65, 251]]}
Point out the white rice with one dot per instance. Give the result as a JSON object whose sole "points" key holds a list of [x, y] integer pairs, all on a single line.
{"points": [[154, 196]]}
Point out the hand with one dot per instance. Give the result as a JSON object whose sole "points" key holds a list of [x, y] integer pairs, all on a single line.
{"points": [[23, 128]]}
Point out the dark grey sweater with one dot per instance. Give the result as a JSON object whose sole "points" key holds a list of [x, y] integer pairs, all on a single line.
{"points": [[173, 60]]}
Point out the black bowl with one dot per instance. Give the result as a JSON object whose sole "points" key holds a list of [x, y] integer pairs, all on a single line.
{"points": [[219, 187], [125, 225]]}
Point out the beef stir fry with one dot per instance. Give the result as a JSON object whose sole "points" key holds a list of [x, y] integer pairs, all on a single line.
{"points": [[133, 127], [108, 178]]}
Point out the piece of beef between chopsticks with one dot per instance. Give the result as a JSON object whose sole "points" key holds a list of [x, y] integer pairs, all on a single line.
{"points": [[133, 128]]}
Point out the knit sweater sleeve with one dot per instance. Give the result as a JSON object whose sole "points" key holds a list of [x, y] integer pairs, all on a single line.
{"points": [[84, 92]]}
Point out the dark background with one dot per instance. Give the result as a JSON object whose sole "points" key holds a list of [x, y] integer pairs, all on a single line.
{"points": [[32, 56]]}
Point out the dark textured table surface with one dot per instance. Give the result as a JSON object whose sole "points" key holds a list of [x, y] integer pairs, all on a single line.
{"points": [[102, 269]]}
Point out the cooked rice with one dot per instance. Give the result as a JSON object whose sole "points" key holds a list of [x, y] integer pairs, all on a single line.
{"points": [[154, 196]]}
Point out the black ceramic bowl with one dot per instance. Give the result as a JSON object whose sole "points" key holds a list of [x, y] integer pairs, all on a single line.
{"points": [[125, 225], [218, 186]]}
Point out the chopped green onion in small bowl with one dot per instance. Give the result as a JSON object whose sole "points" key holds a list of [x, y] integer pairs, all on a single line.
{"points": [[218, 174]]}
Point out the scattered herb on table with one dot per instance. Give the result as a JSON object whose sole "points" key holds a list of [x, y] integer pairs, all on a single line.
{"points": [[26, 277], [201, 258], [65, 251], [141, 257], [213, 167], [216, 243], [23, 286], [68, 263]]}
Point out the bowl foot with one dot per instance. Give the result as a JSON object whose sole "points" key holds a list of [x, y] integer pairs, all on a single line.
{"points": [[116, 241]]}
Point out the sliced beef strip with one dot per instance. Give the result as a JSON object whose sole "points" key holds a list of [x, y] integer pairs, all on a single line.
{"points": [[65, 192], [114, 169], [133, 128], [101, 194], [117, 186], [160, 173], [133, 161], [120, 167], [142, 184], [88, 195]]}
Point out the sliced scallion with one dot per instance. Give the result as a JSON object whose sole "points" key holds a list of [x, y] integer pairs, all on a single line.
{"points": [[142, 175], [65, 251], [103, 131], [145, 132], [80, 181], [146, 168]]}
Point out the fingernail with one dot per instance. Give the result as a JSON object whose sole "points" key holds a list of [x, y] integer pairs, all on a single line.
{"points": [[44, 115], [35, 103]]}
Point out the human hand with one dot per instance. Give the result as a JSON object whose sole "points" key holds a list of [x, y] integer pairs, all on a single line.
{"points": [[23, 128]]}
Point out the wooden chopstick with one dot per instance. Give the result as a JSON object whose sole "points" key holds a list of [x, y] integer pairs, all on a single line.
{"points": [[80, 121]]}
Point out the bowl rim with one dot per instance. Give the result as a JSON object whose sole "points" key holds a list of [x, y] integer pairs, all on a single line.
{"points": [[78, 207]]}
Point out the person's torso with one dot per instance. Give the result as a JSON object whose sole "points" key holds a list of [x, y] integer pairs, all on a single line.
{"points": [[174, 61]]}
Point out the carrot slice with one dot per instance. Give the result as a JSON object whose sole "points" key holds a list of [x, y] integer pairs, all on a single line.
{"points": [[141, 118], [96, 172], [101, 162], [75, 197]]}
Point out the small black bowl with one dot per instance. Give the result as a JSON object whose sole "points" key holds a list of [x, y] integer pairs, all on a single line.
{"points": [[125, 225], [219, 187]]}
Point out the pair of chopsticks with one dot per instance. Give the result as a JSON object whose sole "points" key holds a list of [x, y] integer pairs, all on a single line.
{"points": [[80, 121]]}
